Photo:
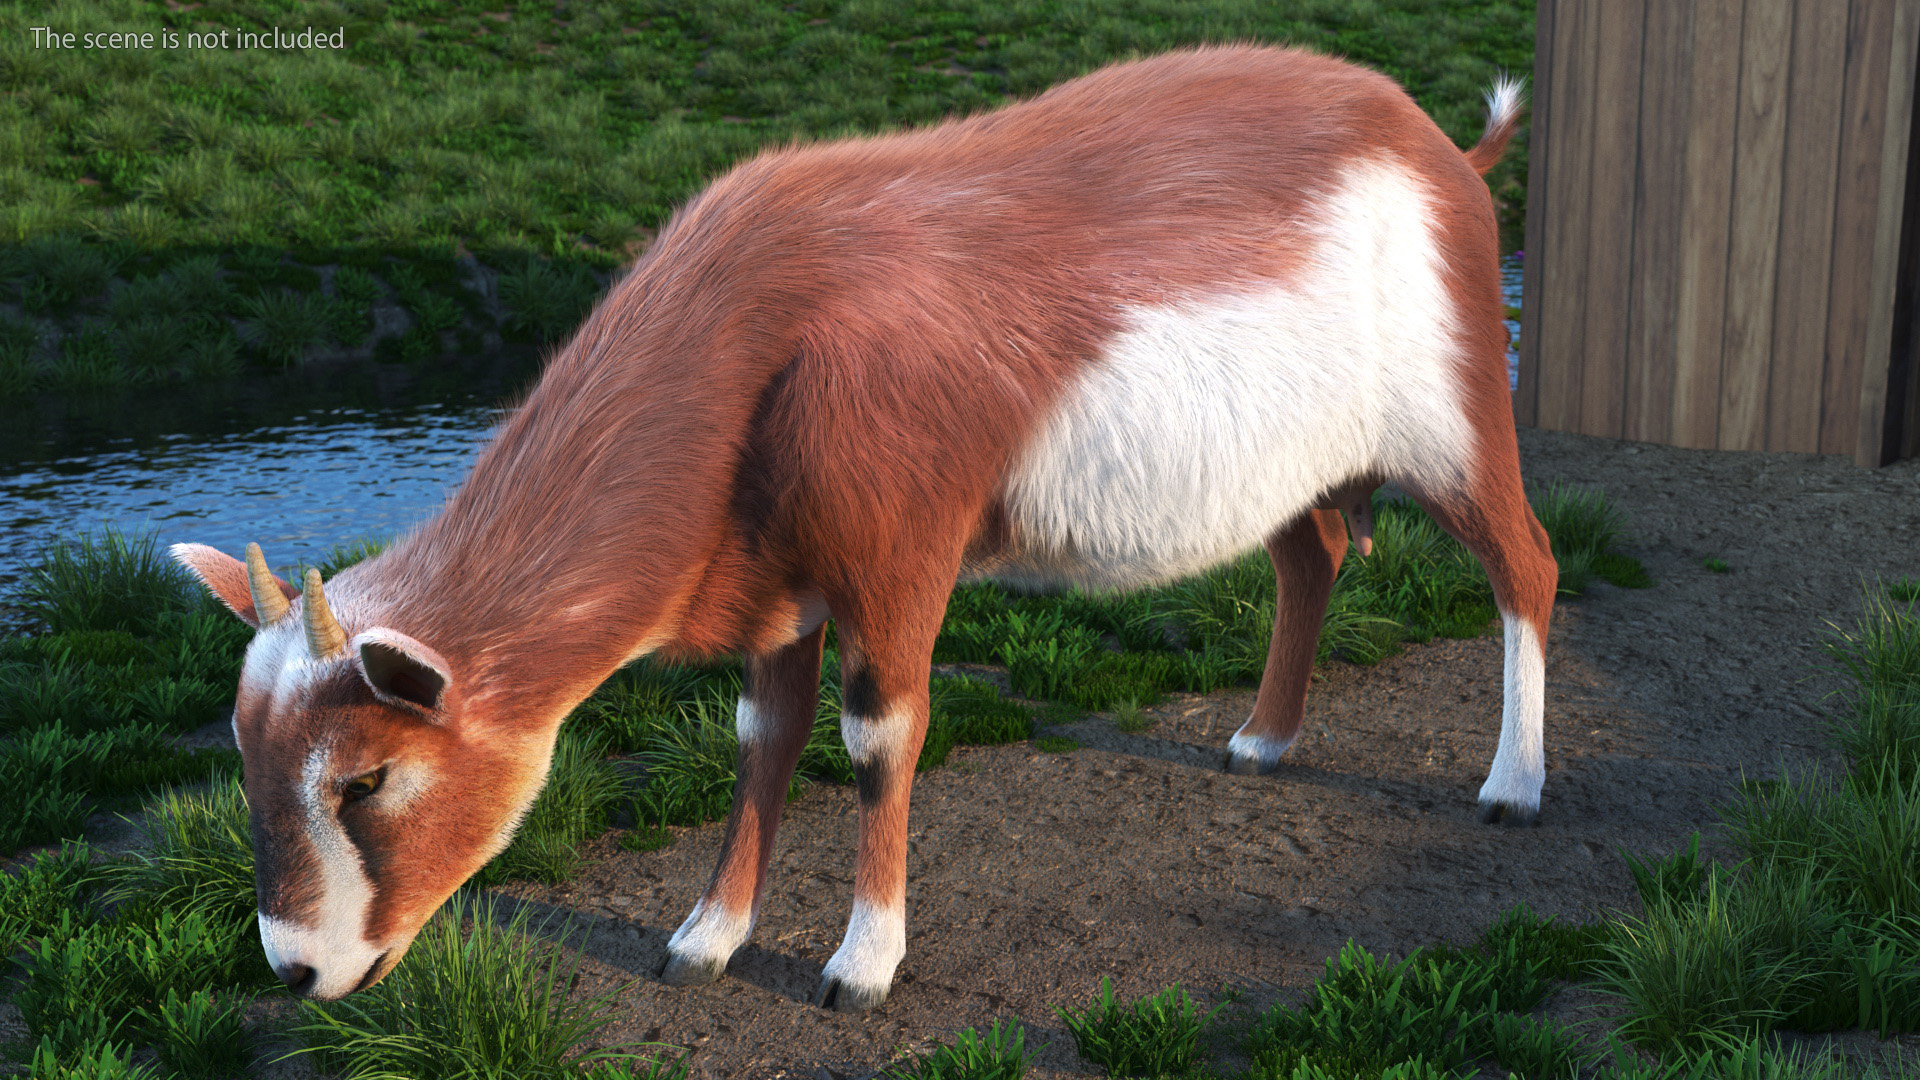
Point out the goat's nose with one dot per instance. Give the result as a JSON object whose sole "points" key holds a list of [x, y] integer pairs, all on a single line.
{"points": [[298, 977]]}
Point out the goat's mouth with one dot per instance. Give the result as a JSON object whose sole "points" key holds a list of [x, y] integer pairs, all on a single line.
{"points": [[375, 972]]}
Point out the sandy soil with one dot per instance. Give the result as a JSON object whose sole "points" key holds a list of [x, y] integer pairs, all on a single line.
{"points": [[1033, 875]]}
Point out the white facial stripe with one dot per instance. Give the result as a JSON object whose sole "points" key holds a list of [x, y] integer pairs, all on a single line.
{"points": [[875, 944], [1205, 425], [334, 946], [713, 932], [1263, 749], [871, 738], [1520, 765], [748, 723]]}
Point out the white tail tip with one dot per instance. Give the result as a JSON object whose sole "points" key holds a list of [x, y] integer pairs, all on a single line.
{"points": [[1505, 99]]}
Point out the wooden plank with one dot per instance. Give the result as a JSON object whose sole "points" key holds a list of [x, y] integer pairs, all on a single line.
{"points": [[1526, 396], [1856, 210], [1753, 252], [1701, 307], [1659, 201], [1814, 103], [1603, 373], [1564, 266], [1870, 443]]}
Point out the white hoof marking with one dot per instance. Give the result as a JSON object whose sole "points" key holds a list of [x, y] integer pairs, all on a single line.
{"points": [[1262, 750], [711, 934], [875, 944]]}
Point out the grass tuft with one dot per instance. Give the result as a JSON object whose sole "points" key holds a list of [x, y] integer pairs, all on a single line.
{"points": [[1157, 1035], [477, 995], [1000, 1054], [110, 580]]}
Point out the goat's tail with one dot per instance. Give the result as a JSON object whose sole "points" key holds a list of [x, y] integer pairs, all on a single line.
{"points": [[1503, 116]]}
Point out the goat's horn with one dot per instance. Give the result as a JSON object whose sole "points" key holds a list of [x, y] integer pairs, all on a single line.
{"points": [[269, 603], [325, 639]]}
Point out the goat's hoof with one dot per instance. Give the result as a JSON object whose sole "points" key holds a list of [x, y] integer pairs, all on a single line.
{"points": [[1240, 765], [691, 970], [848, 997], [1512, 815]]}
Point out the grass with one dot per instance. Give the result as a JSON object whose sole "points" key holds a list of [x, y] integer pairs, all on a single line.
{"points": [[999, 1054], [126, 656], [545, 148], [1158, 1035], [1819, 928], [480, 995]]}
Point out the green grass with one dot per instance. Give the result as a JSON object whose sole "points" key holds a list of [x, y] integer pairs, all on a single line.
{"points": [[999, 1054], [127, 654], [1157, 1035], [1716, 564], [544, 147], [1819, 928], [478, 995]]}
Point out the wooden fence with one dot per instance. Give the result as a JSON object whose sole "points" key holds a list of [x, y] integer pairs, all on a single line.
{"points": [[1720, 246]]}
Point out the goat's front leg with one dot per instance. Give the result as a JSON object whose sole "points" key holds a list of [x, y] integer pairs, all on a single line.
{"points": [[778, 699], [885, 664]]}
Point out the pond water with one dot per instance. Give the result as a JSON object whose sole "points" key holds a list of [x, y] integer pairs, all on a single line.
{"points": [[298, 463]]}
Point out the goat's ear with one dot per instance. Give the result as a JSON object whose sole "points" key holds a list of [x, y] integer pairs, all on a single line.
{"points": [[402, 671], [226, 578]]}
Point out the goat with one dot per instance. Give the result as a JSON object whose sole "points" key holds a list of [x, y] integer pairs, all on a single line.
{"points": [[1106, 337]]}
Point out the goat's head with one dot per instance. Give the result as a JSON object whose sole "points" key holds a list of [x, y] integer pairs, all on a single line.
{"points": [[375, 789]]}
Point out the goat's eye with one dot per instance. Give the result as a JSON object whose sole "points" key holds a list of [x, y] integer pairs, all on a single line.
{"points": [[362, 786]]}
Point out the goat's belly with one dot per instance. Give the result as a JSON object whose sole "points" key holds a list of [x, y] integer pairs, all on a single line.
{"points": [[1203, 428]]}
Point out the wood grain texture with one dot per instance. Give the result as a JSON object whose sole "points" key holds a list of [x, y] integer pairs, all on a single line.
{"points": [[1753, 240], [1798, 362], [1719, 193], [1660, 166], [1856, 215], [1564, 273], [1871, 443], [1616, 92], [1700, 315]]}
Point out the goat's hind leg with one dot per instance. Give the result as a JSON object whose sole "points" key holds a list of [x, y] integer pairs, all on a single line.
{"points": [[1491, 517], [1306, 557], [774, 719]]}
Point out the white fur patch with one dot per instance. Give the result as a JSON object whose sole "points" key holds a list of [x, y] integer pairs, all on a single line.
{"points": [[875, 944], [712, 932], [873, 738], [1262, 749], [1520, 764], [748, 723], [334, 945], [1205, 425]]}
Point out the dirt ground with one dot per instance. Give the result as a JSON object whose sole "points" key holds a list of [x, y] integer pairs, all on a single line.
{"points": [[1033, 875]]}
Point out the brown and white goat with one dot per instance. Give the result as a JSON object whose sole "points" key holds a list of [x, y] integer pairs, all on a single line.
{"points": [[1106, 337]]}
